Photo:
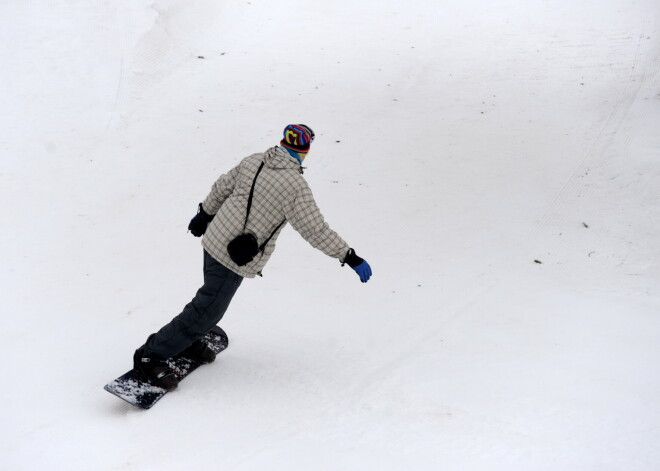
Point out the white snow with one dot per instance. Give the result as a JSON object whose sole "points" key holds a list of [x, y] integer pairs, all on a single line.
{"points": [[457, 143]]}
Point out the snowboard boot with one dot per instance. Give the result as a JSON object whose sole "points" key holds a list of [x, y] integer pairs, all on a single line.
{"points": [[155, 369], [199, 351]]}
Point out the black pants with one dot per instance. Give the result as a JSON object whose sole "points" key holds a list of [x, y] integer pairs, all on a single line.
{"points": [[203, 312]]}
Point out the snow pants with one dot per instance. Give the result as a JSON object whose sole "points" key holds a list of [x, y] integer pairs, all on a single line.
{"points": [[203, 312]]}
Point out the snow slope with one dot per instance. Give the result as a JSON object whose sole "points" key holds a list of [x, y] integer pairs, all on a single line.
{"points": [[458, 145]]}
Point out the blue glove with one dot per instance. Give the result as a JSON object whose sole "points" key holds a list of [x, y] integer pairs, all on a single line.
{"points": [[363, 270], [358, 264]]}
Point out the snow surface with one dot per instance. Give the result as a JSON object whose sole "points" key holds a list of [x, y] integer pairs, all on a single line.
{"points": [[457, 144]]}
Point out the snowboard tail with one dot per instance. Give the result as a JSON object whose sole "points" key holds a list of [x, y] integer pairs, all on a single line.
{"points": [[134, 389]]}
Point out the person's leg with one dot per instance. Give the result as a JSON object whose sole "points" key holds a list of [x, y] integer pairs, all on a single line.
{"points": [[203, 312]]}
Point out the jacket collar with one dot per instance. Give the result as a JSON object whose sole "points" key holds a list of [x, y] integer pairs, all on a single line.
{"points": [[278, 158]]}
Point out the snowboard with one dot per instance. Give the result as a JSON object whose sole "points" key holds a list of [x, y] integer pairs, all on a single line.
{"points": [[138, 392]]}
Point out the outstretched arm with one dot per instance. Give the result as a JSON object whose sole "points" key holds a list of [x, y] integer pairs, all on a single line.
{"points": [[306, 218]]}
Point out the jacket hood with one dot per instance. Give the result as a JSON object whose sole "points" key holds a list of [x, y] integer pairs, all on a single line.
{"points": [[278, 158]]}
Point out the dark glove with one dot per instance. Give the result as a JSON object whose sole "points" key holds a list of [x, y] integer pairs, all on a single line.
{"points": [[200, 222], [358, 264]]}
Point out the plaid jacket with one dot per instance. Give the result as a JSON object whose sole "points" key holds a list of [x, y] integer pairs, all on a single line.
{"points": [[281, 193]]}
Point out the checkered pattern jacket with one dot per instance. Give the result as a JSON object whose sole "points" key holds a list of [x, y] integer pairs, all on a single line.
{"points": [[281, 193]]}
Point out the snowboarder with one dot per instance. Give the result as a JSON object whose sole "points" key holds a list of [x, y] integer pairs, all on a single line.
{"points": [[240, 220]]}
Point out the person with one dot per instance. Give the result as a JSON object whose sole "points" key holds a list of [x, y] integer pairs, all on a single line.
{"points": [[246, 207]]}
